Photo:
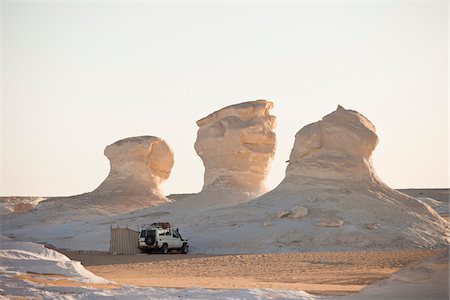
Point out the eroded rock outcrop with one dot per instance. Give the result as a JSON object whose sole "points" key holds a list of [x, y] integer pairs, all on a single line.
{"points": [[341, 204], [337, 148], [330, 199], [331, 163], [237, 146], [138, 167]]}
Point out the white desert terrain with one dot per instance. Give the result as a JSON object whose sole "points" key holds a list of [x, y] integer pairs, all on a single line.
{"points": [[331, 213]]}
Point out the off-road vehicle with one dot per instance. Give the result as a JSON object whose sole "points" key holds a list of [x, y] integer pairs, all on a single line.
{"points": [[161, 237]]}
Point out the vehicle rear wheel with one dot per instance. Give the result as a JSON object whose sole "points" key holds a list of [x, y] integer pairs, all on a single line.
{"points": [[184, 249], [164, 249]]}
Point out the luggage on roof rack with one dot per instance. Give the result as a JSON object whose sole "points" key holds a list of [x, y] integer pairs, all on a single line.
{"points": [[163, 225]]}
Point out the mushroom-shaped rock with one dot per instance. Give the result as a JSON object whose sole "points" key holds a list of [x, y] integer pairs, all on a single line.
{"points": [[338, 148], [331, 161], [330, 175], [237, 145], [138, 167]]}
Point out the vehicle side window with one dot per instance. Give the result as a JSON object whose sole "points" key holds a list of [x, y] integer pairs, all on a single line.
{"points": [[175, 234], [143, 233]]}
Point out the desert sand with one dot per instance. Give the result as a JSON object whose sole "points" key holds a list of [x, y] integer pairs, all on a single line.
{"points": [[320, 273], [30, 270]]}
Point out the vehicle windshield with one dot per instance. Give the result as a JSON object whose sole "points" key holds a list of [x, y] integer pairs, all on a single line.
{"points": [[178, 233]]}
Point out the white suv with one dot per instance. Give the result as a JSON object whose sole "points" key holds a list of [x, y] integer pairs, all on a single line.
{"points": [[161, 237]]}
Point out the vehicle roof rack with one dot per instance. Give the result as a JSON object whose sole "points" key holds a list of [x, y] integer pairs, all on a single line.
{"points": [[163, 225]]}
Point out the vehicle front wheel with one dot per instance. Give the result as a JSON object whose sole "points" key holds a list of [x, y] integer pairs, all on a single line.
{"points": [[164, 249], [184, 249]]}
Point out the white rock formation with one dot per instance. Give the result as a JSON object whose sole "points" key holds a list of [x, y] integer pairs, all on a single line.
{"points": [[330, 179], [331, 163], [295, 213], [282, 213], [298, 212], [18, 204], [330, 222], [330, 175], [337, 148], [373, 226], [237, 146], [138, 167]]}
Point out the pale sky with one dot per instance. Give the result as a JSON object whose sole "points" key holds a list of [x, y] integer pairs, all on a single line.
{"points": [[79, 75]]}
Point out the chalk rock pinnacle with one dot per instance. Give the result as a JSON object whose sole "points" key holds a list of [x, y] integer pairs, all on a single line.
{"points": [[237, 145], [337, 148], [139, 166], [330, 174]]}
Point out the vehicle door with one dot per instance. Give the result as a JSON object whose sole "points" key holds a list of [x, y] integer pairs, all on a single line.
{"points": [[176, 239], [165, 237]]}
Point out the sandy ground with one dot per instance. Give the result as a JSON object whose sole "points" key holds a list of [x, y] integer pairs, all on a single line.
{"points": [[61, 280], [321, 273]]}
